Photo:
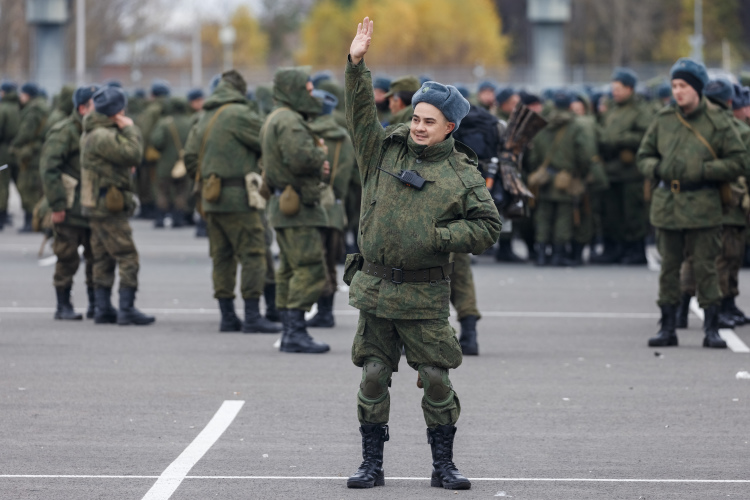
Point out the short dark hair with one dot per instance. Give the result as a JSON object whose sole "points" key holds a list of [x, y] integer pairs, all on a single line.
{"points": [[405, 96]]}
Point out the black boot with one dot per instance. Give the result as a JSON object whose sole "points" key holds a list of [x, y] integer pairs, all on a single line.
{"points": [[541, 254], [104, 313], [200, 229], [612, 253], [505, 253], [229, 320], [746, 259], [3, 217], [64, 307], [683, 310], [468, 339], [91, 311], [158, 218], [370, 473], [269, 293], [736, 312], [559, 256], [188, 219], [576, 254], [26, 228], [726, 318], [324, 317], [148, 211], [666, 336], [444, 471], [296, 338], [255, 322], [635, 254], [711, 328], [178, 218], [128, 314]]}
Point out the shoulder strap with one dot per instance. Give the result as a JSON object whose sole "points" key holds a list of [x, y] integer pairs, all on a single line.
{"points": [[176, 134], [697, 134], [555, 143], [207, 133], [335, 165], [268, 120]]}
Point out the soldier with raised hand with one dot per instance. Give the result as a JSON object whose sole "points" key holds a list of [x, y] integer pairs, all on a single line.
{"points": [[26, 147], [224, 146], [400, 282], [111, 147], [691, 149], [60, 167], [10, 110]]}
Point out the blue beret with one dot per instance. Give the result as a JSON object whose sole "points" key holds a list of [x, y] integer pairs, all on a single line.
{"points": [[214, 83], [330, 101], [159, 89], [113, 83], [693, 72], [664, 90], [503, 95], [140, 93], [382, 83], [446, 98], [463, 90], [487, 84], [626, 76], [195, 94], [320, 76], [562, 99], [82, 95], [745, 97], [528, 98], [110, 100], [720, 89], [8, 86], [30, 88], [737, 99]]}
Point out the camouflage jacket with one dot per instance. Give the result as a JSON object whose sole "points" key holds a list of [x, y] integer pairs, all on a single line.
{"points": [[63, 106], [671, 152], [342, 162], [108, 155], [403, 116], [402, 227], [27, 144], [163, 140], [146, 119], [291, 155], [10, 116], [231, 147], [735, 215], [61, 155], [623, 127]]}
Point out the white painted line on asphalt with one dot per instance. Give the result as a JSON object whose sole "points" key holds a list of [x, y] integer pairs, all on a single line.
{"points": [[733, 341], [48, 261], [341, 478], [171, 478]]}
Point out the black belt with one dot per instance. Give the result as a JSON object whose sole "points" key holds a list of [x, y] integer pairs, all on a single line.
{"points": [[238, 182], [398, 276], [678, 187]]}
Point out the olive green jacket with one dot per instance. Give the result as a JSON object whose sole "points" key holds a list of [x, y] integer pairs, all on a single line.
{"points": [[622, 130], [10, 117], [735, 215], [108, 155], [403, 116], [146, 119], [163, 140], [27, 143], [402, 227], [63, 106], [671, 152], [61, 155]]}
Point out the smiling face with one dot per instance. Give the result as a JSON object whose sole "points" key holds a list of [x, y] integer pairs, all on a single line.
{"points": [[429, 126]]}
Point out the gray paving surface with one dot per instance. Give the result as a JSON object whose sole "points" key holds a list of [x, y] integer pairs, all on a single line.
{"points": [[550, 397]]}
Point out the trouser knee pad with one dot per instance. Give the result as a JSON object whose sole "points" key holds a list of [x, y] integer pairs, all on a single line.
{"points": [[376, 379], [438, 390]]}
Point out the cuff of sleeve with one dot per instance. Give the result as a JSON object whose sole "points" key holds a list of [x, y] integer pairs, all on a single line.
{"points": [[444, 236], [355, 68]]}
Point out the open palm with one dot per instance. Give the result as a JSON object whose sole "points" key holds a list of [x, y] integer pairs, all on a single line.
{"points": [[361, 42]]}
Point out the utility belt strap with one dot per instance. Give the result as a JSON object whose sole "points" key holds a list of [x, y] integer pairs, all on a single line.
{"points": [[398, 276]]}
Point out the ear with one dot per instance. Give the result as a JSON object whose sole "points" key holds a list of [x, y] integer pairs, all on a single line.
{"points": [[450, 127]]}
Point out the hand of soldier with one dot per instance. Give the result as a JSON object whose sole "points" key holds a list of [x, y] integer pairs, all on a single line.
{"points": [[122, 121], [361, 42], [58, 217], [326, 168], [322, 145]]}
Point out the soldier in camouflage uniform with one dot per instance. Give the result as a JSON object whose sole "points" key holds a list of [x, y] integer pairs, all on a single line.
{"points": [[691, 148], [60, 167], [10, 110], [342, 162], [399, 99], [505, 100], [295, 162], [111, 147], [380, 87], [26, 146], [146, 174], [400, 282], [225, 146], [63, 106]]}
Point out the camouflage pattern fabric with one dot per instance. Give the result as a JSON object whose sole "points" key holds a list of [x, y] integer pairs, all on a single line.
{"points": [[67, 240], [112, 245], [172, 193], [268, 237], [403, 116], [63, 106], [333, 251], [704, 245], [10, 115], [728, 264], [162, 139], [237, 238], [463, 292], [301, 275], [146, 172], [553, 222], [26, 147]]}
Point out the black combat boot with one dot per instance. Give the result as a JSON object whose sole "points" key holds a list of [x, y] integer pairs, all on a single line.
{"points": [[736, 312], [505, 253], [269, 293], [188, 219], [726, 318], [229, 320], [745, 260], [158, 218], [711, 328], [635, 254], [200, 229], [666, 336], [444, 471], [683, 310], [128, 313], [178, 218], [64, 307], [3, 217], [255, 322], [148, 211], [612, 253], [559, 256], [576, 254], [26, 228], [324, 317], [296, 338], [91, 311], [104, 312], [541, 254], [468, 339], [370, 473]]}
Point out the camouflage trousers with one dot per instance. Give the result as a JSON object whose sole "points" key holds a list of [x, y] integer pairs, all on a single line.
{"points": [[146, 183], [112, 245], [583, 232], [333, 249], [301, 276], [463, 293], [29, 184], [728, 264], [625, 218], [268, 236], [5, 177], [172, 193], [232, 238], [704, 246], [65, 245], [427, 342], [554, 222]]}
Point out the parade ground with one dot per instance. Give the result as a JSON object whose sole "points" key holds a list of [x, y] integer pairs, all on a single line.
{"points": [[565, 401]]}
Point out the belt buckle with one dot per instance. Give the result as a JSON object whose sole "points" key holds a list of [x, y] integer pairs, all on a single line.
{"points": [[675, 187], [393, 273]]}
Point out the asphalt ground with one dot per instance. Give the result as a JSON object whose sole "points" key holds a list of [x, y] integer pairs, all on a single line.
{"points": [[565, 401]]}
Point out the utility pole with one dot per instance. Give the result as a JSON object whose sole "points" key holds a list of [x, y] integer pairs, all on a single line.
{"points": [[696, 41], [197, 77], [80, 42]]}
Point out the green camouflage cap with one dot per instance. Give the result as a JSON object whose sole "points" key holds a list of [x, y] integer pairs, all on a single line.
{"points": [[404, 84]]}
